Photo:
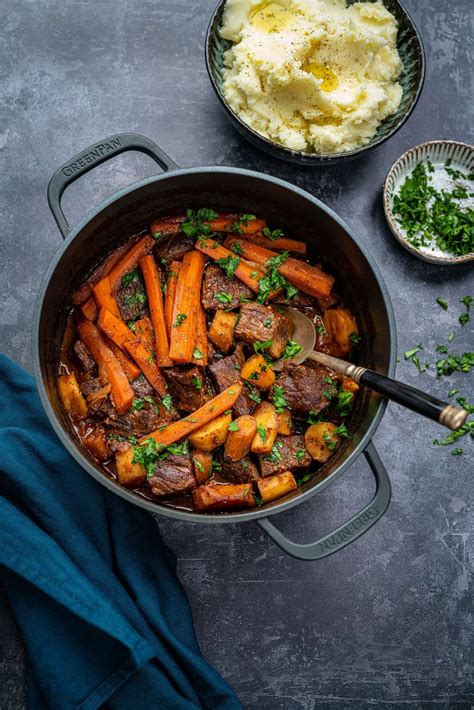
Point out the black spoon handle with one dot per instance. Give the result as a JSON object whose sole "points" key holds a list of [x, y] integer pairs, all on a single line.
{"points": [[416, 400]]}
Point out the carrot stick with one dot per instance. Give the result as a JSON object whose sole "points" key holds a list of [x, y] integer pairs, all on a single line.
{"points": [[309, 279], [85, 290], [110, 370], [212, 409], [125, 339], [144, 333], [155, 302], [166, 226], [171, 294], [226, 224], [188, 297], [105, 298], [128, 366], [130, 260], [244, 271], [201, 344], [281, 243], [89, 309]]}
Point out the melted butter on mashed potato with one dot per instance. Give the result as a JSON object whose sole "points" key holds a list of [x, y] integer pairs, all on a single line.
{"points": [[313, 75]]}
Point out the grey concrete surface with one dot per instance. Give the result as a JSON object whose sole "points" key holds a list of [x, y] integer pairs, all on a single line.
{"points": [[387, 622]]}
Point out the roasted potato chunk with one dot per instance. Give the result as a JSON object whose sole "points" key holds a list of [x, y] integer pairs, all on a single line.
{"points": [[257, 371], [340, 325], [212, 434], [221, 331], [71, 397], [239, 439], [223, 496], [129, 474], [202, 462], [321, 441], [285, 425], [349, 385], [96, 442], [276, 486], [267, 426]]}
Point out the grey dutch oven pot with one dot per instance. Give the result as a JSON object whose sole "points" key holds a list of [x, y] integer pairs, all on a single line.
{"points": [[130, 211]]}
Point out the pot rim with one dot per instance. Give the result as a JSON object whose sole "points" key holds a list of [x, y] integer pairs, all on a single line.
{"points": [[144, 503]]}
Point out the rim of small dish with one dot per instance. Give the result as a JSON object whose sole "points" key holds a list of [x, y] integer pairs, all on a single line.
{"points": [[303, 157], [402, 167]]}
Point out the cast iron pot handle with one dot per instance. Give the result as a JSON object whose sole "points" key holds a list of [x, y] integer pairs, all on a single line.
{"points": [[93, 156], [348, 532]]}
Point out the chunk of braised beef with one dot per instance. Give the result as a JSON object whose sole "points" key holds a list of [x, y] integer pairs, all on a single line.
{"points": [[172, 475], [303, 387], [172, 247], [138, 421], [288, 454], [259, 323], [221, 293], [142, 387], [242, 471], [226, 372], [189, 388], [131, 297], [90, 385], [83, 356]]}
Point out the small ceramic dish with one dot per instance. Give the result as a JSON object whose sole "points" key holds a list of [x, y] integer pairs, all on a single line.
{"points": [[410, 48], [460, 156]]}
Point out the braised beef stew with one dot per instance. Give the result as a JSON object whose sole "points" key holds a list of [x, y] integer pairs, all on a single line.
{"points": [[166, 370]]}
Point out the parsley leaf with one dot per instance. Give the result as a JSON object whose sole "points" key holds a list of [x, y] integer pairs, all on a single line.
{"points": [[180, 318], [229, 264]]}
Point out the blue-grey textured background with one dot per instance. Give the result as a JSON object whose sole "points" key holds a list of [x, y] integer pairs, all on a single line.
{"points": [[386, 623]]}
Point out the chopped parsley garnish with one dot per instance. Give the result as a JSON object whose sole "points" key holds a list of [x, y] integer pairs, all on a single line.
{"points": [[148, 454], [233, 426], [194, 225], [157, 235], [275, 453], [456, 452], [131, 325], [253, 393], [167, 402], [410, 354], [262, 432], [443, 303], [355, 338], [300, 454], [260, 347], [455, 363], [341, 430], [292, 349], [330, 443], [268, 321], [278, 398], [428, 216], [197, 382], [236, 248], [223, 297], [130, 278], [216, 466], [278, 260], [272, 234], [229, 264], [344, 403], [198, 465], [464, 318], [139, 402], [180, 318], [451, 336], [197, 354]]}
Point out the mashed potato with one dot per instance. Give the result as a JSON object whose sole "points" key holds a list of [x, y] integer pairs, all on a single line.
{"points": [[313, 75]]}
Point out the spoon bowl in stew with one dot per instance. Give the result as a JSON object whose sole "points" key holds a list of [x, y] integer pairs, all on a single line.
{"points": [[421, 402]]}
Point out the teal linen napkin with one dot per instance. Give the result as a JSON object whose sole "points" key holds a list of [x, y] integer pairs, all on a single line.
{"points": [[90, 581]]}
